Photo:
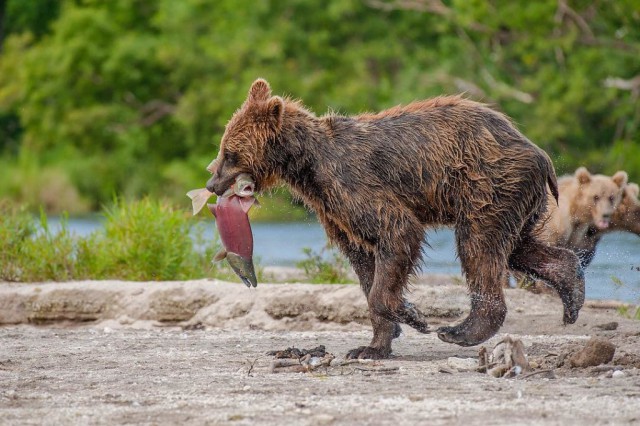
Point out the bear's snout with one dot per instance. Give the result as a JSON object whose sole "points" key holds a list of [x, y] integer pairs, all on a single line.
{"points": [[212, 187], [219, 184]]}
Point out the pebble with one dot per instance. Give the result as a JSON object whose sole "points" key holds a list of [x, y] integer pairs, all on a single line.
{"points": [[618, 373], [323, 419]]}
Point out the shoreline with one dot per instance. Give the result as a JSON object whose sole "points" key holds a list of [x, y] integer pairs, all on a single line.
{"points": [[275, 305]]}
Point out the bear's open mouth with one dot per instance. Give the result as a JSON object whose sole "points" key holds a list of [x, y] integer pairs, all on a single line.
{"points": [[603, 223]]}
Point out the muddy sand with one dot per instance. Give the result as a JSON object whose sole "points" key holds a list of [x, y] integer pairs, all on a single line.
{"points": [[194, 352]]}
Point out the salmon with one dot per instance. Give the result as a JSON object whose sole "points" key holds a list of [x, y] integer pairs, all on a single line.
{"points": [[232, 220]]}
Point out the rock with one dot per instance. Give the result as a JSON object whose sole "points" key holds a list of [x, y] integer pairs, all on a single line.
{"points": [[618, 373], [597, 351], [323, 419], [609, 326], [462, 364]]}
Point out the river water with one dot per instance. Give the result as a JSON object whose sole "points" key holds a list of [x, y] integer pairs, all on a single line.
{"points": [[613, 274]]}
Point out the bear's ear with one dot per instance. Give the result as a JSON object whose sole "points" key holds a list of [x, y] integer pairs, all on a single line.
{"points": [[275, 111], [632, 190], [260, 91], [583, 175], [620, 178]]}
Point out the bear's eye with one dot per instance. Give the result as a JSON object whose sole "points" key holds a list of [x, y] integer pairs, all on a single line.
{"points": [[611, 198], [231, 158], [596, 198]]}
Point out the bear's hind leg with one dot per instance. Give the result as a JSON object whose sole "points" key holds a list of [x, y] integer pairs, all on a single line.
{"points": [[485, 267], [558, 267]]}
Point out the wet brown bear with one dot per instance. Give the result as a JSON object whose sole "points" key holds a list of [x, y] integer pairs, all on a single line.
{"points": [[377, 180]]}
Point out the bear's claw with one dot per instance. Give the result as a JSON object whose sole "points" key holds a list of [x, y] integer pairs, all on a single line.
{"points": [[456, 335], [573, 299], [367, 352]]}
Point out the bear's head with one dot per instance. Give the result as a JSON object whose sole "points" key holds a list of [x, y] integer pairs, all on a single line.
{"points": [[246, 138], [598, 197], [627, 215]]}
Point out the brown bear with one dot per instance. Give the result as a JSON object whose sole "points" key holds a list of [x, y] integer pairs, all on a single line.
{"points": [[625, 218], [586, 207], [627, 215], [376, 181]]}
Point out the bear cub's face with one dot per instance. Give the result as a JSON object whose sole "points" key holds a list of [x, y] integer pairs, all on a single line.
{"points": [[600, 195], [245, 140], [627, 215]]}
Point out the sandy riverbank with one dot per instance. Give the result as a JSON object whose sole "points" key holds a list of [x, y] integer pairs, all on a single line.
{"points": [[193, 352]]}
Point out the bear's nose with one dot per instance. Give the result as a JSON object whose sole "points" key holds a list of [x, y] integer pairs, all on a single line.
{"points": [[211, 187]]}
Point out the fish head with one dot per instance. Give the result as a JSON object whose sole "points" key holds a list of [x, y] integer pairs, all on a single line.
{"points": [[244, 185]]}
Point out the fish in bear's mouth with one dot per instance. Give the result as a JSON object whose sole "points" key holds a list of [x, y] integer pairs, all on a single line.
{"points": [[232, 221]]}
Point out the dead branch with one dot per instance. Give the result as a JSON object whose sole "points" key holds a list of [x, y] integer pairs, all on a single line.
{"points": [[433, 6], [154, 111], [622, 84]]}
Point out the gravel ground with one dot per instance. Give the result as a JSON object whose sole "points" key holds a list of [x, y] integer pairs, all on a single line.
{"points": [[154, 372]]}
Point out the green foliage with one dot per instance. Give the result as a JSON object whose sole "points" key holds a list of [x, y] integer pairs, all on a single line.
{"points": [[278, 206], [131, 97], [320, 270], [33, 253], [141, 240], [628, 311], [31, 16]]}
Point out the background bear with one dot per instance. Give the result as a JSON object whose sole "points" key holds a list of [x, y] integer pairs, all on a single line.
{"points": [[627, 216], [586, 209], [376, 181]]}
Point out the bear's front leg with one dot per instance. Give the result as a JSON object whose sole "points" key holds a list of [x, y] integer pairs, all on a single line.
{"points": [[380, 346], [363, 263], [386, 301]]}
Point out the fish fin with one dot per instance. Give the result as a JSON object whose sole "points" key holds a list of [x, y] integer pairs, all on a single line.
{"points": [[199, 198], [213, 208], [246, 203], [220, 255]]}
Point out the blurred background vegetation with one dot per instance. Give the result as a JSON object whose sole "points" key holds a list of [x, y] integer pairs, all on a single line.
{"points": [[100, 98]]}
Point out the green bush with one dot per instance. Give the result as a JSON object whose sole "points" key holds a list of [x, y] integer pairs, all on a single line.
{"points": [[92, 88], [322, 269], [141, 240], [33, 253]]}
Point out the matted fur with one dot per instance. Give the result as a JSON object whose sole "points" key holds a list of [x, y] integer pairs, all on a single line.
{"points": [[377, 180]]}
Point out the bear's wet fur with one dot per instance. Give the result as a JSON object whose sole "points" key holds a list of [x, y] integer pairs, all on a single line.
{"points": [[376, 181]]}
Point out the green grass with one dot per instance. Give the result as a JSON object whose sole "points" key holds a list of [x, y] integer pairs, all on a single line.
{"points": [[628, 311], [30, 252], [141, 240], [321, 269]]}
